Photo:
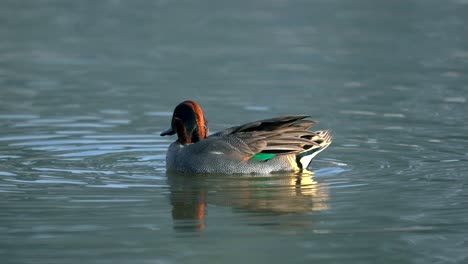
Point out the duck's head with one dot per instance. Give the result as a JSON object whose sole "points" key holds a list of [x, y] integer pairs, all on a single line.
{"points": [[188, 122]]}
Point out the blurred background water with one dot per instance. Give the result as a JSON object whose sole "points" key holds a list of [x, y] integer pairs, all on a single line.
{"points": [[86, 87]]}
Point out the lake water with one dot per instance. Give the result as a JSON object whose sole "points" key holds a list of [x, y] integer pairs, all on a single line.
{"points": [[86, 87]]}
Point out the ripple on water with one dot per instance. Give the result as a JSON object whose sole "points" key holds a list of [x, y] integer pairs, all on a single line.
{"points": [[116, 136], [80, 139], [257, 108], [17, 116], [125, 186], [30, 137], [80, 144], [114, 112], [107, 200], [75, 132], [76, 171], [104, 152], [329, 171], [159, 113], [84, 141], [9, 157], [458, 99], [6, 173], [45, 181], [152, 157]]}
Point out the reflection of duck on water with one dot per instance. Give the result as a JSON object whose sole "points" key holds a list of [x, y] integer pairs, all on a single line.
{"points": [[274, 194], [188, 200]]}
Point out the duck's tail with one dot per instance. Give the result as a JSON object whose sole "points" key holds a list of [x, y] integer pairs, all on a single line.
{"points": [[323, 140]]}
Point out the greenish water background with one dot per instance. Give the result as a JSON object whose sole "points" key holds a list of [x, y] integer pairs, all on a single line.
{"points": [[86, 87]]}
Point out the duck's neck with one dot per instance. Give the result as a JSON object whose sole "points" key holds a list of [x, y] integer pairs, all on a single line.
{"points": [[189, 133]]}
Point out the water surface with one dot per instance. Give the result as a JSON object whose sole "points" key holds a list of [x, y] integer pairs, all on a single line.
{"points": [[86, 87]]}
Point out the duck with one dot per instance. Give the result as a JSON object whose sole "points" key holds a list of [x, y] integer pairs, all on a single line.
{"points": [[279, 144]]}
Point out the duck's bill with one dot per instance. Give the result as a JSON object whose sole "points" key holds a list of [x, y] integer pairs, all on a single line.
{"points": [[168, 132]]}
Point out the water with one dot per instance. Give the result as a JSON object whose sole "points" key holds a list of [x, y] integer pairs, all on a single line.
{"points": [[86, 87]]}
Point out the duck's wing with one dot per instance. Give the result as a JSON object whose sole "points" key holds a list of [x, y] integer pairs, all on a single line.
{"points": [[269, 124], [276, 136]]}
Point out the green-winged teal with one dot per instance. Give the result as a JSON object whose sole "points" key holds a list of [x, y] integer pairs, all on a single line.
{"points": [[278, 144]]}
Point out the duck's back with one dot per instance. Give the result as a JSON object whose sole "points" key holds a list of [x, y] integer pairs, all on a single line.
{"points": [[277, 144]]}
